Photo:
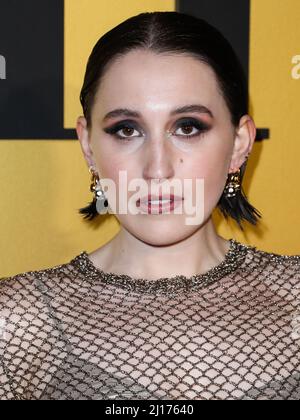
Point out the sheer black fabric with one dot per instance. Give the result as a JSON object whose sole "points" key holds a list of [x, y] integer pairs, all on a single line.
{"points": [[75, 332]]}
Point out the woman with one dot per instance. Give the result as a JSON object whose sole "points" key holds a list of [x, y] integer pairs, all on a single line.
{"points": [[167, 309]]}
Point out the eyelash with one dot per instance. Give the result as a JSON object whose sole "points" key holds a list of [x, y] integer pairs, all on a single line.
{"points": [[201, 127]]}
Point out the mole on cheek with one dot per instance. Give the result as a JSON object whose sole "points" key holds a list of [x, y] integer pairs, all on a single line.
{"points": [[181, 160]]}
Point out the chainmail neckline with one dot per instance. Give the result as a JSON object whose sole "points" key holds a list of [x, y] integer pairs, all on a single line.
{"points": [[234, 257]]}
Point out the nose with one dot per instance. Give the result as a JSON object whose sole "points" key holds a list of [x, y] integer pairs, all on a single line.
{"points": [[158, 160]]}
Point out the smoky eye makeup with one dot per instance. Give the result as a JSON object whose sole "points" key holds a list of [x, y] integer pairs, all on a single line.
{"points": [[122, 125], [128, 127], [184, 123]]}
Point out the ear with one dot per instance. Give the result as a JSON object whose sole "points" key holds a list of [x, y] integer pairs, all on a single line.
{"points": [[243, 143], [84, 138]]}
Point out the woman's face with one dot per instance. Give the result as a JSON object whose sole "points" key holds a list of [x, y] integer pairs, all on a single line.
{"points": [[154, 144]]}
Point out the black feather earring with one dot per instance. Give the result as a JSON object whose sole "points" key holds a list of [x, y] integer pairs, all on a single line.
{"points": [[99, 205], [234, 202], [233, 185]]}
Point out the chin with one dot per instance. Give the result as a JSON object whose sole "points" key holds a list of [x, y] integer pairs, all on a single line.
{"points": [[162, 233]]}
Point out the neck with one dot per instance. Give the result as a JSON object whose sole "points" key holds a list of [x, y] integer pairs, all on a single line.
{"points": [[126, 254]]}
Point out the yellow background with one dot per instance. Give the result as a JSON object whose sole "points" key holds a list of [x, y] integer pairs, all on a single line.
{"points": [[43, 183]]}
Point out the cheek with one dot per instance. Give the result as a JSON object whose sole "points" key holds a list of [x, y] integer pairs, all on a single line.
{"points": [[118, 171], [210, 165], [212, 168], [108, 161]]}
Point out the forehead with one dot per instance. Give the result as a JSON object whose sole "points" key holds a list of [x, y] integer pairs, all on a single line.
{"points": [[158, 82]]}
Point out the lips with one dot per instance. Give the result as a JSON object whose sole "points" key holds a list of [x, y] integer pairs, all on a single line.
{"points": [[149, 198], [159, 203]]}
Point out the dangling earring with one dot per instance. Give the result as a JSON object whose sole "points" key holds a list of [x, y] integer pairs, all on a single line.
{"points": [[233, 184], [95, 187]]}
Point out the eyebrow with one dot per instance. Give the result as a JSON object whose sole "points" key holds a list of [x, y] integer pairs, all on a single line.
{"points": [[135, 114]]}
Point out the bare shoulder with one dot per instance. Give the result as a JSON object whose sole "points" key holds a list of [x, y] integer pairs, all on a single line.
{"points": [[280, 271], [26, 280], [26, 288], [277, 259], [26, 324]]}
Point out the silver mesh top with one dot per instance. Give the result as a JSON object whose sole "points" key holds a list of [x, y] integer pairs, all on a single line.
{"points": [[74, 332]]}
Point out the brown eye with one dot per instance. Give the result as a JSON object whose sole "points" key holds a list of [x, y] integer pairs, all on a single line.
{"points": [[123, 131], [191, 128], [127, 131], [187, 128]]}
